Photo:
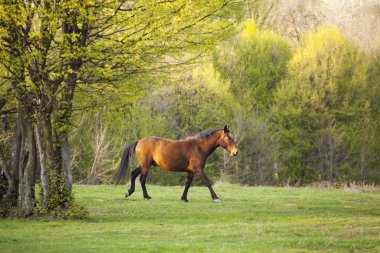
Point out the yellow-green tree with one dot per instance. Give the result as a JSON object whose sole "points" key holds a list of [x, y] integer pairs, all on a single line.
{"points": [[52, 51], [254, 62], [324, 111]]}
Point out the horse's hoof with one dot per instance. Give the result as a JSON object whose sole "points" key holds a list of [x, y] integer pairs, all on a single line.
{"points": [[148, 198], [184, 200], [127, 194], [217, 200]]}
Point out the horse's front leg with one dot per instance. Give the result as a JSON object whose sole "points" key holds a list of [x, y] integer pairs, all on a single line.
{"points": [[189, 179], [205, 180]]}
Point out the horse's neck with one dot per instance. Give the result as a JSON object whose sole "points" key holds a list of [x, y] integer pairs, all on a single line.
{"points": [[210, 144]]}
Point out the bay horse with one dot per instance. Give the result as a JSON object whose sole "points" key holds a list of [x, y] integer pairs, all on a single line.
{"points": [[186, 155]]}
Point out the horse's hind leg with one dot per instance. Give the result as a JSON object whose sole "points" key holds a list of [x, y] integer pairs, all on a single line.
{"points": [[189, 179], [134, 174], [144, 174]]}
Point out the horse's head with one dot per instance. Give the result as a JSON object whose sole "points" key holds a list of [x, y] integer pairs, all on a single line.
{"points": [[226, 142]]}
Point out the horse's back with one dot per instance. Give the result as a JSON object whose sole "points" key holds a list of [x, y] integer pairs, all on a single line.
{"points": [[167, 154], [152, 142]]}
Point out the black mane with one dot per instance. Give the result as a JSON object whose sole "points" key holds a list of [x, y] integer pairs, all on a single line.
{"points": [[203, 135], [206, 134]]}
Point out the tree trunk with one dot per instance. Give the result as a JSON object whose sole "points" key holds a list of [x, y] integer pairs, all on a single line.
{"points": [[3, 177], [49, 145], [23, 159], [40, 141], [68, 179], [13, 173], [27, 195]]}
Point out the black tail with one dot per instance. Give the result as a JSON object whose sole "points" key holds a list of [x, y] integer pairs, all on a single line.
{"points": [[122, 171]]}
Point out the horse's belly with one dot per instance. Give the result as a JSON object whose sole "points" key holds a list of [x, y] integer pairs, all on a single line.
{"points": [[173, 167], [172, 163]]}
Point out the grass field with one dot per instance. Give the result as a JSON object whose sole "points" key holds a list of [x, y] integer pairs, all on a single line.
{"points": [[257, 219]]}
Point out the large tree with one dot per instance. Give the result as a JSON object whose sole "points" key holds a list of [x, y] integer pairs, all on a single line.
{"points": [[51, 51]]}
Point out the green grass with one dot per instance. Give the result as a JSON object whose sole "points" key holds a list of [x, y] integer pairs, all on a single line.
{"points": [[257, 219]]}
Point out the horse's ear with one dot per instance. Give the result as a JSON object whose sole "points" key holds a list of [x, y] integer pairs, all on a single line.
{"points": [[226, 128]]}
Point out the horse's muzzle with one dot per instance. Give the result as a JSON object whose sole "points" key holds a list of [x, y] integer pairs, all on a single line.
{"points": [[234, 152]]}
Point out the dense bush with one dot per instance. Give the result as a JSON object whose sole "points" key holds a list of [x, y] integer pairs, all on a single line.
{"points": [[60, 204]]}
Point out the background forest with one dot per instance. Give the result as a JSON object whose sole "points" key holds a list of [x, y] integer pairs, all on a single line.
{"points": [[300, 91], [297, 81]]}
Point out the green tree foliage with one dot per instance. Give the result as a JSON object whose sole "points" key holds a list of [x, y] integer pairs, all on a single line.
{"points": [[254, 62], [324, 111]]}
